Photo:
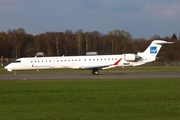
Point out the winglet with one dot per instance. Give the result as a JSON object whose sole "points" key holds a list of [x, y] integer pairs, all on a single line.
{"points": [[117, 62]]}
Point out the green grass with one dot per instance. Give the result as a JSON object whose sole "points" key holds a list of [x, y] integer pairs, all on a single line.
{"points": [[140, 99]]}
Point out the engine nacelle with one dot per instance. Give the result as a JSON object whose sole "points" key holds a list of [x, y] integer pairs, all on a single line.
{"points": [[130, 57]]}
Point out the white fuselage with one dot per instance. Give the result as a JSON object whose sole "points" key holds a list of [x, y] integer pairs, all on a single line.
{"points": [[73, 62]]}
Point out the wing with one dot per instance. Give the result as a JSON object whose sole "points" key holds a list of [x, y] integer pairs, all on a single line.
{"points": [[93, 66], [100, 66]]}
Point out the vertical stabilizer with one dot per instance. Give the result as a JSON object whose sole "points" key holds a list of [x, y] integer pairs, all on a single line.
{"points": [[151, 52]]}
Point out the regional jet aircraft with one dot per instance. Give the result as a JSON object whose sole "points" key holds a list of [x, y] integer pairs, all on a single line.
{"points": [[93, 63]]}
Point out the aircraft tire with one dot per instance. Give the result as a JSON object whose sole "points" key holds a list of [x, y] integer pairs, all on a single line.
{"points": [[14, 73], [95, 72]]}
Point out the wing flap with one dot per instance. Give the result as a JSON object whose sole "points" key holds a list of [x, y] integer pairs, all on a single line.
{"points": [[101, 66]]}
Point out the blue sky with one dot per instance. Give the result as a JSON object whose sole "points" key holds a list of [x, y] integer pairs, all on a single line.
{"points": [[141, 18]]}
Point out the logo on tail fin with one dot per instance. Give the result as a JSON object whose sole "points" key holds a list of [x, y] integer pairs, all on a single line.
{"points": [[153, 49]]}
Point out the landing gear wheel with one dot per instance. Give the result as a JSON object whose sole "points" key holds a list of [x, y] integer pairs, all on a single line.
{"points": [[95, 72], [14, 73]]}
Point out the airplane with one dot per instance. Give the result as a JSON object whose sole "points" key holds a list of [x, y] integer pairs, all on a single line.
{"points": [[94, 63]]}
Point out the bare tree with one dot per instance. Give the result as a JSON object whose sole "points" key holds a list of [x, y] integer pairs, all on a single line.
{"points": [[79, 39]]}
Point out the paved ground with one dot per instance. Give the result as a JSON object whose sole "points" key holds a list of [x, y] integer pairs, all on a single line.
{"points": [[90, 76]]}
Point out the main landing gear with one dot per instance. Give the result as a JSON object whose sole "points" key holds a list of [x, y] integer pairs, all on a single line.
{"points": [[14, 73], [95, 72]]}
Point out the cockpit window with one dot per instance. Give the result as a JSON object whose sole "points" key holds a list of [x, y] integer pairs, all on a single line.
{"points": [[17, 61]]}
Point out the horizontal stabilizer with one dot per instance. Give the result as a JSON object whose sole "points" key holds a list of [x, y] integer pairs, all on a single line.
{"points": [[161, 42]]}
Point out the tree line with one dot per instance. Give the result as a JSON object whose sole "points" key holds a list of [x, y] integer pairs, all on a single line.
{"points": [[17, 43]]}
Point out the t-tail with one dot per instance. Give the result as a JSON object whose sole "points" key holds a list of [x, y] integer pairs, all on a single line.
{"points": [[151, 52]]}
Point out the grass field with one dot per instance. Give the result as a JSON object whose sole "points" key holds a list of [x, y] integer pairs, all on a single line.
{"points": [[126, 99]]}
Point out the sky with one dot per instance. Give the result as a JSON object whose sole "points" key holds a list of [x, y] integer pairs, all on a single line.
{"points": [[141, 18]]}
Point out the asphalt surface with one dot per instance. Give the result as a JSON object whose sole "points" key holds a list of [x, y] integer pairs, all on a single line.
{"points": [[90, 76]]}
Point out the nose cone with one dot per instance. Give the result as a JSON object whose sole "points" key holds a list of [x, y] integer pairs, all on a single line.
{"points": [[8, 68]]}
